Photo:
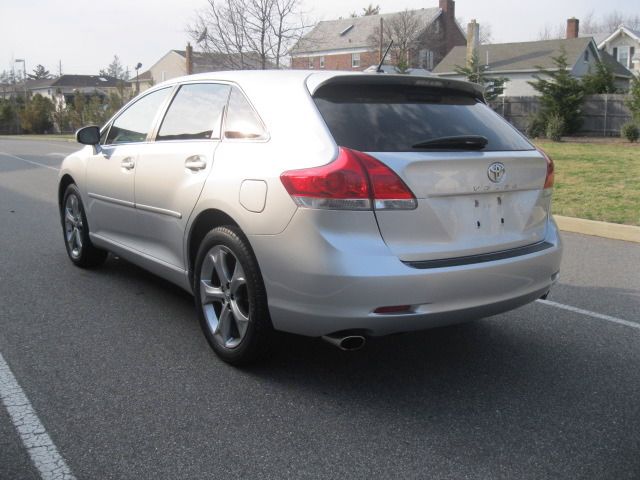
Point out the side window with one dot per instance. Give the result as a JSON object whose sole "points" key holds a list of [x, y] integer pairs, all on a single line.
{"points": [[195, 112], [135, 122], [242, 121]]}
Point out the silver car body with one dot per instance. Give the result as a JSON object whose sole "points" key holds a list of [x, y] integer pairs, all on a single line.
{"points": [[472, 248]]}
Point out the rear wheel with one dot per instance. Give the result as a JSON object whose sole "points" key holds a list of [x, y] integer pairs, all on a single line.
{"points": [[76, 231], [231, 298]]}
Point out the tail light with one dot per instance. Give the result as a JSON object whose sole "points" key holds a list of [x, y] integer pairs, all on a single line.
{"points": [[549, 179], [353, 181]]}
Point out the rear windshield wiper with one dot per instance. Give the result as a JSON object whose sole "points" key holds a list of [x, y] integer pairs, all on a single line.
{"points": [[460, 142]]}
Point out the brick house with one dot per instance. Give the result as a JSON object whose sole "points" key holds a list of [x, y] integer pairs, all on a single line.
{"points": [[352, 44]]}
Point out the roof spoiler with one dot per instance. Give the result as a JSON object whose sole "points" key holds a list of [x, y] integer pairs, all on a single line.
{"points": [[315, 82]]}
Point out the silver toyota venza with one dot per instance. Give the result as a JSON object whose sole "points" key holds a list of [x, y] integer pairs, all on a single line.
{"points": [[318, 203]]}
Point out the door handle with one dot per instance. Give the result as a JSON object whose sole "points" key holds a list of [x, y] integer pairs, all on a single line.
{"points": [[195, 163], [128, 163]]}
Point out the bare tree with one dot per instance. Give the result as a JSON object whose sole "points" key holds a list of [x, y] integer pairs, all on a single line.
{"points": [[405, 30], [486, 31], [614, 19], [248, 34], [590, 24], [549, 32]]}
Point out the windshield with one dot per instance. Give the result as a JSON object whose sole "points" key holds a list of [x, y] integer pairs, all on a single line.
{"points": [[396, 118]]}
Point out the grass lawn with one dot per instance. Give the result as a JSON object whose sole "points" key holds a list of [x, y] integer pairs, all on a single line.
{"points": [[596, 181]]}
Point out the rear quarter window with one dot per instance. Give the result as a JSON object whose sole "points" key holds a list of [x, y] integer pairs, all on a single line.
{"points": [[242, 121], [392, 118]]}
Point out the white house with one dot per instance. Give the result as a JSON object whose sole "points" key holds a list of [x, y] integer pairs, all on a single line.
{"points": [[624, 46], [62, 90], [520, 62]]}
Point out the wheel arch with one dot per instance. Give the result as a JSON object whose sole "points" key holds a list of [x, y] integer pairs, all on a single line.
{"points": [[65, 181], [206, 221]]}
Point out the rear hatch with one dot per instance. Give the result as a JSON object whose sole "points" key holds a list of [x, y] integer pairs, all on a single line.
{"points": [[478, 182]]}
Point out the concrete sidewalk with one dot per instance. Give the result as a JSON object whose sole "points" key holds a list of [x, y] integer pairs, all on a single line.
{"points": [[615, 231]]}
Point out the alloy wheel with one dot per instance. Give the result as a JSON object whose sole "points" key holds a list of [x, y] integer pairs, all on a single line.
{"points": [[224, 296], [73, 225]]}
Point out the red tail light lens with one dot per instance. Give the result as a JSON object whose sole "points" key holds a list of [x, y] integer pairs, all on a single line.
{"points": [[353, 181], [550, 178]]}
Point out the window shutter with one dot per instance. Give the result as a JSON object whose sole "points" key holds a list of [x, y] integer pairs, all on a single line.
{"points": [[632, 52], [615, 53]]}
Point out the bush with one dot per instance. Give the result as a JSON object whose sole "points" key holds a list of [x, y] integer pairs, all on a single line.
{"points": [[536, 126], [36, 117], [634, 99], [555, 128], [630, 131]]}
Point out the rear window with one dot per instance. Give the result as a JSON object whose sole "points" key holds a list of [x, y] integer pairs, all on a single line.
{"points": [[392, 118]]}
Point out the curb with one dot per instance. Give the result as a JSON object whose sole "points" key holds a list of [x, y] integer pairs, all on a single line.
{"points": [[615, 231]]}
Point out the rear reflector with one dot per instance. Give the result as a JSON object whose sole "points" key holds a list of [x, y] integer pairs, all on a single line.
{"points": [[353, 181], [393, 309]]}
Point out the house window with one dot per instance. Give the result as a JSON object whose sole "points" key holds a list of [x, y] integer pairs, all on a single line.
{"points": [[355, 60], [425, 59], [624, 56], [586, 56], [321, 62], [310, 63]]}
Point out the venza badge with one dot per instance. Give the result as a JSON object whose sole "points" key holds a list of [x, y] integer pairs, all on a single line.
{"points": [[495, 172]]}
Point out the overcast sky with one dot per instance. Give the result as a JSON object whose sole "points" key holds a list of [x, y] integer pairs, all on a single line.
{"points": [[84, 36]]}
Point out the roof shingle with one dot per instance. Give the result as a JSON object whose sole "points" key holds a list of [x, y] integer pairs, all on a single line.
{"points": [[522, 56], [337, 34]]}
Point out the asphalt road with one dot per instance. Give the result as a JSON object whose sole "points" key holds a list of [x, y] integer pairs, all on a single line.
{"points": [[116, 369]]}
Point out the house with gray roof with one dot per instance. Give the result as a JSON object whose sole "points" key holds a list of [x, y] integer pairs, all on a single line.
{"points": [[624, 46], [177, 63], [352, 44], [63, 89], [519, 62]]}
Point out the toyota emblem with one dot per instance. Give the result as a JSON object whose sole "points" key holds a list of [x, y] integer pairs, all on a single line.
{"points": [[495, 172]]}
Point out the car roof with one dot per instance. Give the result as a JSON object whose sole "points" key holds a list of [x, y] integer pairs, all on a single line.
{"points": [[275, 80]]}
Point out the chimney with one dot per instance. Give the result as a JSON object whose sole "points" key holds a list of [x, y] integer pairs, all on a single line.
{"points": [[188, 53], [473, 40], [573, 27], [449, 8]]}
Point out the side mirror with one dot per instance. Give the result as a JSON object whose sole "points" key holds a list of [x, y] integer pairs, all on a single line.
{"points": [[88, 135]]}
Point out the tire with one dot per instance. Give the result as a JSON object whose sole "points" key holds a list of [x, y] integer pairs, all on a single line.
{"points": [[75, 231], [230, 297]]}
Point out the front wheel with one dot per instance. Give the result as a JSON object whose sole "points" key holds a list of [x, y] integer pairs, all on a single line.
{"points": [[230, 297], [76, 231]]}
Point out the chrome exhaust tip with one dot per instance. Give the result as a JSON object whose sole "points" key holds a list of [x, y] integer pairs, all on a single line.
{"points": [[347, 343]]}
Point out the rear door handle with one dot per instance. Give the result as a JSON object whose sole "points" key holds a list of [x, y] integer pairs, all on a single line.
{"points": [[128, 163], [195, 163]]}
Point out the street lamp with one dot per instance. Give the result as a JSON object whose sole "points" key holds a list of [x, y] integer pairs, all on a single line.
{"points": [[138, 67], [24, 76]]}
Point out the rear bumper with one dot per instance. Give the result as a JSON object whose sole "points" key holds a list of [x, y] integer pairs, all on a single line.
{"points": [[322, 283]]}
